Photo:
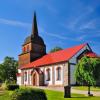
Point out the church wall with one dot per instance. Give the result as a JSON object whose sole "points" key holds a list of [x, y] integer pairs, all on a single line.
{"points": [[72, 78], [19, 78], [45, 73], [58, 82], [53, 78], [54, 81], [65, 75], [27, 47], [29, 80], [24, 59]]}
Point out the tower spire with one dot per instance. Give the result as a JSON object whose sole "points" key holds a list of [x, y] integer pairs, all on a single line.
{"points": [[34, 26]]}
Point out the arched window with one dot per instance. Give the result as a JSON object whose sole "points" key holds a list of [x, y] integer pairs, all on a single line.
{"points": [[48, 74], [58, 73], [24, 49], [25, 76], [27, 48]]}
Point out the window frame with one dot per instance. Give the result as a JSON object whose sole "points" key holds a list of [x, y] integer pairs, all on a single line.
{"points": [[58, 73], [25, 75], [48, 74]]}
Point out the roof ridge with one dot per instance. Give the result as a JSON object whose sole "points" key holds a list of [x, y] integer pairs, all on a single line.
{"points": [[67, 48]]}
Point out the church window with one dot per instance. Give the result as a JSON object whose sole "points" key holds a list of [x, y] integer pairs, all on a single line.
{"points": [[25, 76], [27, 48], [24, 49], [48, 74], [58, 73]]}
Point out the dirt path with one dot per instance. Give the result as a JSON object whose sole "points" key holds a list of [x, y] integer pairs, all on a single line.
{"points": [[95, 93]]}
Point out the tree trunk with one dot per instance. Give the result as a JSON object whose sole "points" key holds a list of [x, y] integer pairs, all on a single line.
{"points": [[89, 90]]}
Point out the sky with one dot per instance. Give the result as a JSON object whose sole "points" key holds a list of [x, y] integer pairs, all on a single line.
{"points": [[62, 23]]}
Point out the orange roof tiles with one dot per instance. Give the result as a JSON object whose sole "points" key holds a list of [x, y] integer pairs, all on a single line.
{"points": [[59, 56], [91, 54]]}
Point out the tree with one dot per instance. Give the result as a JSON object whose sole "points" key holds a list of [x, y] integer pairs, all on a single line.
{"points": [[88, 71], [8, 69], [55, 49]]}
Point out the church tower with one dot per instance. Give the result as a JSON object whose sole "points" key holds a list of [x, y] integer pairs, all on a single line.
{"points": [[33, 47]]}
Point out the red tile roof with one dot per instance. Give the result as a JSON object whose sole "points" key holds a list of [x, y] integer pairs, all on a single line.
{"points": [[59, 56], [91, 54]]}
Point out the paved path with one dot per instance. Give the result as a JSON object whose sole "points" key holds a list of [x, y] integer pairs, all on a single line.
{"points": [[95, 93], [1, 91]]}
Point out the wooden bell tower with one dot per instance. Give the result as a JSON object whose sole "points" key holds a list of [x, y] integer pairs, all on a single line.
{"points": [[33, 47]]}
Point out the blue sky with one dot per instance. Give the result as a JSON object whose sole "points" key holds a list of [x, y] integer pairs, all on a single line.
{"points": [[63, 23]]}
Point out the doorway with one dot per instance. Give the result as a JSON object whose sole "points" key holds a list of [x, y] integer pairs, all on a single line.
{"points": [[35, 79]]}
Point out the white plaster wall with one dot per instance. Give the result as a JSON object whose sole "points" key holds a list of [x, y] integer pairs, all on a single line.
{"points": [[72, 78], [45, 73], [19, 80], [42, 69], [58, 82], [29, 81]]}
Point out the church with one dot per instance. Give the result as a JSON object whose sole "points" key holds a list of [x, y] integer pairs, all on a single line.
{"points": [[38, 68]]}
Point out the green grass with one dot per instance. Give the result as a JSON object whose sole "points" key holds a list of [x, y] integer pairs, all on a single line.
{"points": [[53, 95], [86, 88], [5, 96]]}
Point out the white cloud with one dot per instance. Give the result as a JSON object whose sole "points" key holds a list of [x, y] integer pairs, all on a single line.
{"points": [[62, 37], [14, 23], [73, 23]]}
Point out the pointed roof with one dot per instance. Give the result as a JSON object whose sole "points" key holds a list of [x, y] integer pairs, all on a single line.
{"points": [[56, 57], [34, 37], [34, 26]]}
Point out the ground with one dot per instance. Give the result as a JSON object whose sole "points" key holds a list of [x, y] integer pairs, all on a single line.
{"points": [[51, 95], [85, 88]]}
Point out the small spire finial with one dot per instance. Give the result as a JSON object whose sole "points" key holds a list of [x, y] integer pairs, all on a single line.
{"points": [[34, 26]]}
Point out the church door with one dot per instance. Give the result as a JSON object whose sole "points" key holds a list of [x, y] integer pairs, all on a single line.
{"points": [[34, 79]]}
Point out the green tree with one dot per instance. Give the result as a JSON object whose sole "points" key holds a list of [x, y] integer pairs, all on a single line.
{"points": [[55, 49], [8, 69], [88, 71]]}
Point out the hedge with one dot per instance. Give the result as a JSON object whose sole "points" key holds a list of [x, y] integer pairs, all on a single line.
{"points": [[28, 94], [12, 87]]}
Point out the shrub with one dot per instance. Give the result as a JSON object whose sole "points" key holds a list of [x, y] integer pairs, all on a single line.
{"points": [[3, 86], [12, 86], [28, 94]]}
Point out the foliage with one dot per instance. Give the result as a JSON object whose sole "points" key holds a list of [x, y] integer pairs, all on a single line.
{"points": [[55, 49], [8, 69], [88, 71], [28, 94], [12, 87]]}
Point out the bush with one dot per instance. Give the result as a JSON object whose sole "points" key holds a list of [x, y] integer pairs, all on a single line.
{"points": [[28, 94], [12, 87]]}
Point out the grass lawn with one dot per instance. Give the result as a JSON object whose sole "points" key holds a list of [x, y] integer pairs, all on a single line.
{"points": [[53, 95], [5, 96], [86, 88]]}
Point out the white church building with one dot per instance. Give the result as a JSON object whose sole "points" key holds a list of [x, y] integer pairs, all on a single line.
{"points": [[37, 68]]}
